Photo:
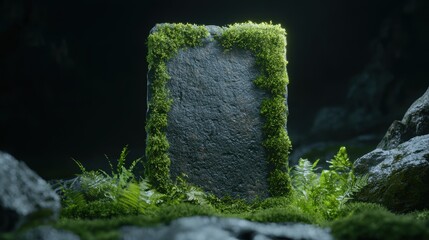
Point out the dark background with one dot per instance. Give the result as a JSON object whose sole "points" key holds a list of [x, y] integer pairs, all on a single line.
{"points": [[73, 73]]}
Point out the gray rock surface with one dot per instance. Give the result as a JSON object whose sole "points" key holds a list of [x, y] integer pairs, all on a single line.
{"points": [[414, 123], [214, 126], [398, 177], [214, 228], [47, 233], [399, 168], [24, 196]]}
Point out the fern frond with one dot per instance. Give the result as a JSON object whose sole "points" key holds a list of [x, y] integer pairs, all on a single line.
{"points": [[71, 197], [304, 177], [341, 162], [130, 198], [79, 164], [133, 164], [121, 159]]}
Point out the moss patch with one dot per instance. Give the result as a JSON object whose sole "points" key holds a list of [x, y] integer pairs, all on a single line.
{"points": [[163, 44], [379, 224], [267, 42]]}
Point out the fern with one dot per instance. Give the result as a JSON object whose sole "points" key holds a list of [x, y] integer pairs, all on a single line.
{"points": [[182, 191], [118, 188], [79, 164], [304, 177], [341, 163], [130, 199], [149, 194], [73, 197], [328, 192]]}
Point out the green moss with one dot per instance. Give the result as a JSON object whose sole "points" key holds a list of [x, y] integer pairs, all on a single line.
{"points": [[379, 224], [353, 208], [104, 229], [281, 215], [164, 44], [268, 44], [172, 212]]}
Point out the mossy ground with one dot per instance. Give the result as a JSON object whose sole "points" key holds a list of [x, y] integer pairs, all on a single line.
{"points": [[106, 202], [356, 220]]}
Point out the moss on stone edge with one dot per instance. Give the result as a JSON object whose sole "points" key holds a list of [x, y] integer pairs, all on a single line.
{"points": [[268, 43], [163, 44]]}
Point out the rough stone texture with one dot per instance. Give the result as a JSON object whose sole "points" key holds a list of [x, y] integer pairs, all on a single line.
{"points": [[414, 123], [47, 233], [24, 195], [398, 177], [399, 168], [213, 228], [214, 126]]}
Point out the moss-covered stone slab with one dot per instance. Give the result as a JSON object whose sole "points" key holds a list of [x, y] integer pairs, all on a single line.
{"points": [[217, 108]]}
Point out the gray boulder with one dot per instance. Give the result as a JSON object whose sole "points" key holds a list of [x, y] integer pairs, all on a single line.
{"points": [[214, 228], [414, 123], [397, 177], [24, 195], [399, 168]]}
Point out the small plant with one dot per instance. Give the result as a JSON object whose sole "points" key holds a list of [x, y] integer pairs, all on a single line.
{"points": [[182, 191], [104, 195], [326, 193]]}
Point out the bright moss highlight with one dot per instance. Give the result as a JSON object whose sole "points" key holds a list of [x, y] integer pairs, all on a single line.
{"points": [[268, 44], [163, 44]]}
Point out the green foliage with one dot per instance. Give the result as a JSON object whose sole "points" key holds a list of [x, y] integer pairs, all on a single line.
{"points": [[420, 215], [103, 229], [279, 183], [164, 44], [184, 192], [353, 208], [372, 224], [229, 205], [105, 195], [268, 43], [170, 212], [326, 193], [286, 213]]}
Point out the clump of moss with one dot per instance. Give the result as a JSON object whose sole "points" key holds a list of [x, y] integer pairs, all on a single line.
{"points": [[171, 212], [374, 224], [282, 214], [163, 44]]}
